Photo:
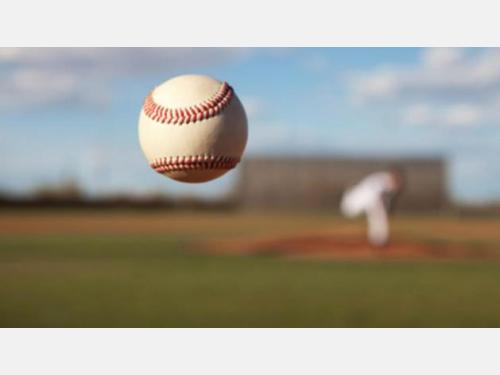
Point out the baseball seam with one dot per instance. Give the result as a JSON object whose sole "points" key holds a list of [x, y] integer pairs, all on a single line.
{"points": [[195, 162], [188, 115]]}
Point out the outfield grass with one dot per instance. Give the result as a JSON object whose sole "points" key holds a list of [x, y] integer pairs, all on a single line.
{"points": [[149, 280]]}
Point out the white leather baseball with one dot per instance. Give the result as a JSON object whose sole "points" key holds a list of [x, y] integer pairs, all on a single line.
{"points": [[193, 128]]}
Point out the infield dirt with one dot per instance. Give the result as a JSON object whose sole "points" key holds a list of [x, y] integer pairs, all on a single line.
{"points": [[331, 247]]}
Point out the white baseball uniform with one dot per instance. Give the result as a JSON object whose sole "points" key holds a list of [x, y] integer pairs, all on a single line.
{"points": [[367, 198]]}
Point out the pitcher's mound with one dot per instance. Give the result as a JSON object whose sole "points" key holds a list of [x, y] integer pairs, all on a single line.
{"points": [[331, 247]]}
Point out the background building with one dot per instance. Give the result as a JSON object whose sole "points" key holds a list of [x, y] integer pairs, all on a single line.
{"points": [[318, 183]]}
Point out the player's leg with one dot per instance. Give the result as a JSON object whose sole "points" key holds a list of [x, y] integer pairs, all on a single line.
{"points": [[378, 224]]}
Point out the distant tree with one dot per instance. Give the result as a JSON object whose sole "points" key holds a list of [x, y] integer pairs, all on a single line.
{"points": [[67, 190]]}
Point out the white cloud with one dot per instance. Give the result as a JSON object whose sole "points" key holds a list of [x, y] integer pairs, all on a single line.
{"points": [[27, 88], [117, 60], [372, 86], [34, 77], [458, 87], [454, 115], [463, 115], [435, 76], [437, 58]]}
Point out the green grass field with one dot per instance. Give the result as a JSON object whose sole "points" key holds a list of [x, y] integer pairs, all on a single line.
{"points": [[93, 270]]}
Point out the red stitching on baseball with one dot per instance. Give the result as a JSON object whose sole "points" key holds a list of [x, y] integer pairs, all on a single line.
{"points": [[201, 111], [195, 162]]}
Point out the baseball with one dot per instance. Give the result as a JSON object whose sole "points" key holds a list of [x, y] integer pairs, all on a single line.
{"points": [[193, 128]]}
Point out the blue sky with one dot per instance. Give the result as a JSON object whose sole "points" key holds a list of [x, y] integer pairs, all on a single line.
{"points": [[72, 113]]}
